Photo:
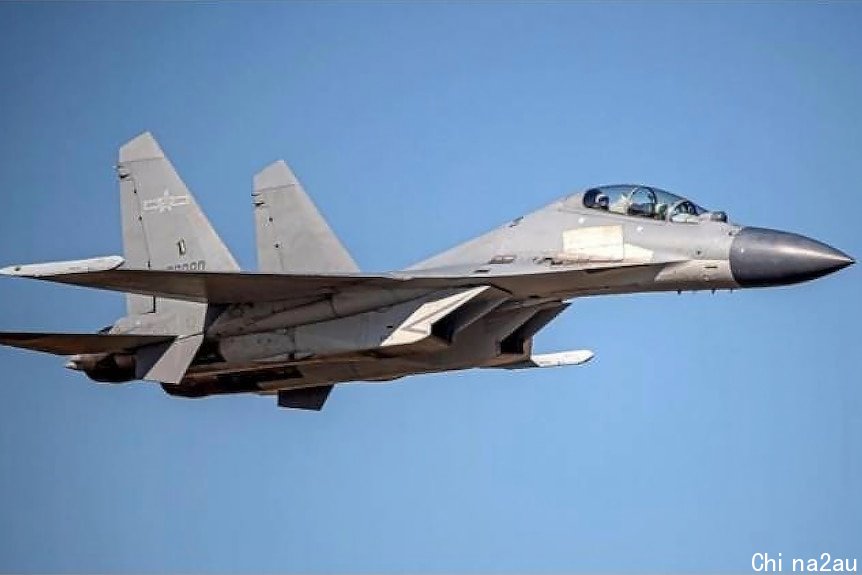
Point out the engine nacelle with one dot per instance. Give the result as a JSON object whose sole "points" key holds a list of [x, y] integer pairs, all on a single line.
{"points": [[105, 367]]}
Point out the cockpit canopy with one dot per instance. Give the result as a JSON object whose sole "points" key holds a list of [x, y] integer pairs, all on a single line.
{"points": [[645, 202]]}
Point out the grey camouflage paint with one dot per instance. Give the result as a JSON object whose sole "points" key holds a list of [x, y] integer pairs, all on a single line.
{"points": [[310, 320]]}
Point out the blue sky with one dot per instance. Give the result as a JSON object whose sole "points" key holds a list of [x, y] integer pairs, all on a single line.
{"points": [[707, 428]]}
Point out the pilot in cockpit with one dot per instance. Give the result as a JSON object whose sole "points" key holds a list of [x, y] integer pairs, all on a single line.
{"points": [[602, 202], [684, 211]]}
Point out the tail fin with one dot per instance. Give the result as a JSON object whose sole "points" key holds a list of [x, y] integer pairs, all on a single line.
{"points": [[292, 236], [163, 227]]}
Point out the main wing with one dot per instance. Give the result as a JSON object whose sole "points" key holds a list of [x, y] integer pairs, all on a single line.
{"points": [[247, 287]]}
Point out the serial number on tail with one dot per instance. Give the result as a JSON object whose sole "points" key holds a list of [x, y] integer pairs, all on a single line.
{"points": [[197, 266]]}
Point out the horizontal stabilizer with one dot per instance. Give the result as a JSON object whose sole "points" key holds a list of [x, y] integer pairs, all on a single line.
{"points": [[79, 343], [559, 359], [311, 398]]}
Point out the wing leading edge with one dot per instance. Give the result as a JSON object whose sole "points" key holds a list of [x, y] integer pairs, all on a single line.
{"points": [[248, 287]]}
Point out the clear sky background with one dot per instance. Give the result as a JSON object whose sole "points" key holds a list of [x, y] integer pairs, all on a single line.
{"points": [[708, 427]]}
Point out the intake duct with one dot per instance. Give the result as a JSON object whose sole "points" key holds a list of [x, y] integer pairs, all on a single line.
{"points": [[517, 342]]}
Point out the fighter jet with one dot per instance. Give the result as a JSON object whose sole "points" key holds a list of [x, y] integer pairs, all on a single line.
{"points": [[308, 319]]}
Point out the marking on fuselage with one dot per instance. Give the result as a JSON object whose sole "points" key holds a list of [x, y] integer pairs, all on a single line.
{"points": [[635, 253], [602, 243], [594, 243]]}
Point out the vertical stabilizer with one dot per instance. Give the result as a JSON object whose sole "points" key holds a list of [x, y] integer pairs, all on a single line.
{"points": [[292, 236], [163, 227]]}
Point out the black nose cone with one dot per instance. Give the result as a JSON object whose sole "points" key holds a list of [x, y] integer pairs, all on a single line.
{"points": [[761, 257]]}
